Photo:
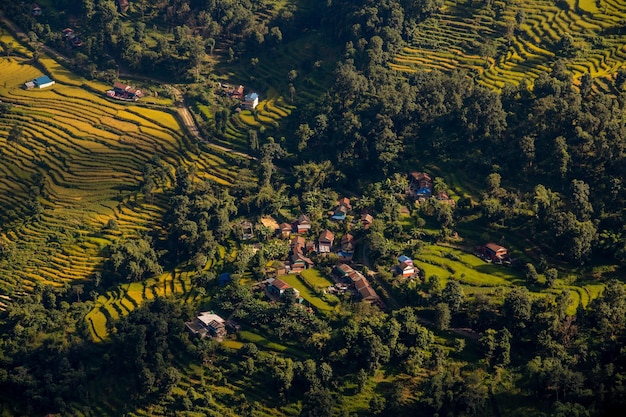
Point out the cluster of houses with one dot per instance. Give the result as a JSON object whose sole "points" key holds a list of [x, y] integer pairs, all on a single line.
{"points": [[421, 189], [72, 38], [248, 101], [357, 281], [39, 82], [124, 92]]}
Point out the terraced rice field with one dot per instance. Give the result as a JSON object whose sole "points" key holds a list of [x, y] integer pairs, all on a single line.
{"points": [[126, 297], [479, 277], [269, 78], [78, 165], [266, 117], [452, 40]]}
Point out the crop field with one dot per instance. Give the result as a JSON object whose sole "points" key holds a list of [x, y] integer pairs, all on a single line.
{"points": [[308, 293], [270, 78], [479, 277], [525, 39], [126, 297], [71, 162]]}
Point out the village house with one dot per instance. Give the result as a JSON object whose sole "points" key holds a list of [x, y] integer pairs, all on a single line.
{"points": [[347, 248], [124, 92], [35, 10], [208, 324], [347, 243], [40, 82], [297, 244], [123, 5], [358, 282], [247, 230], [443, 197], [298, 261], [74, 40], [405, 267], [366, 220], [342, 271], [285, 229], [493, 252], [232, 92], [342, 209], [250, 101], [325, 241], [420, 185], [303, 224], [224, 279], [277, 287]]}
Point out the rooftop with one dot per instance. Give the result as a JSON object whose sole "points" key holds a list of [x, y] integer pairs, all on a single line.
{"points": [[280, 284], [208, 317]]}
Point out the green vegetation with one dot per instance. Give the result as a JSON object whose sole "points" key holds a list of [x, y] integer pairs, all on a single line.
{"points": [[120, 221], [506, 42]]}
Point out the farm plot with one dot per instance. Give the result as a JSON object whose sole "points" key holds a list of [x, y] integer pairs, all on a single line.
{"points": [[523, 39], [72, 161], [308, 293]]}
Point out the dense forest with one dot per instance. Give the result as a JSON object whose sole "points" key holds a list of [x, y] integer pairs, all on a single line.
{"points": [[541, 161]]}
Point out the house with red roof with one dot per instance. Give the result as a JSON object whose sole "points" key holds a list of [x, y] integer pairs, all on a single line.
{"points": [[493, 252], [277, 287]]}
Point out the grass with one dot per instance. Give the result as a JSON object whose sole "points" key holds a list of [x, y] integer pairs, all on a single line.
{"points": [[259, 340], [307, 293], [315, 279]]}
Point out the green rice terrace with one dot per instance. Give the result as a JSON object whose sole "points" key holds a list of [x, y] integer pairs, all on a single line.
{"points": [[269, 77], [75, 171], [505, 42]]}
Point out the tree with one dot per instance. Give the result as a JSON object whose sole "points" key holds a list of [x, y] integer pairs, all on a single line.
{"points": [[566, 43], [561, 155], [580, 198], [434, 285], [527, 146], [551, 275], [275, 36], [210, 45], [532, 277], [253, 139], [442, 316], [304, 133], [16, 136], [135, 259], [453, 295], [361, 379], [493, 182], [517, 307], [292, 92]]}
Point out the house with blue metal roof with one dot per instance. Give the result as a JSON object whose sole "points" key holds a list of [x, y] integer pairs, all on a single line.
{"points": [[250, 101], [40, 82]]}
